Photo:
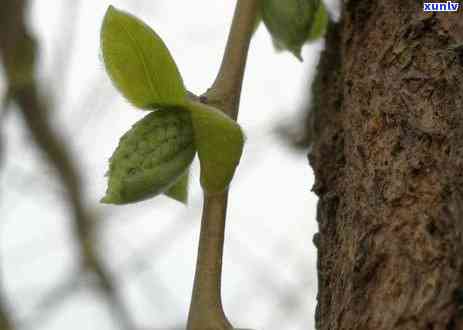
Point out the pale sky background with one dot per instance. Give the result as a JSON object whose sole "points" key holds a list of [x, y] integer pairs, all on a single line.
{"points": [[269, 280]]}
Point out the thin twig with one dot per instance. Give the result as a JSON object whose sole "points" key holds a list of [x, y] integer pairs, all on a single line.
{"points": [[225, 92], [51, 301], [206, 306]]}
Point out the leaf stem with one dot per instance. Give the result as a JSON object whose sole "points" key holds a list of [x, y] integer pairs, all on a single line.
{"points": [[206, 310]]}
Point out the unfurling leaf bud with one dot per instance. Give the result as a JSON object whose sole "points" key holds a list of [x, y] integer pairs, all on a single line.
{"points": [[289, 22], [219, 140], [139, 63], [179, 191], [152, 157], [320, 23]]}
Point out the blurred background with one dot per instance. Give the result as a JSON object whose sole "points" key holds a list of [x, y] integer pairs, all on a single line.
{"points": [[134, 265]]}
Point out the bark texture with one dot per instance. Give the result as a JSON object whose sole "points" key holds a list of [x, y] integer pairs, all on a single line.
{"points": [[388, 159]]}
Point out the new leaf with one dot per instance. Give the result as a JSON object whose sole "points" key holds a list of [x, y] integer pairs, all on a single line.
{"points": [[139, 63], [179, 191], [219, 141], [152, 158], [319, 24]]}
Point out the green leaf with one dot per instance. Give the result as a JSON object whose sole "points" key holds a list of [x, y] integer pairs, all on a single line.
{"points": [[319, 24], [179, 191], [151, 157], [289, 22], [139, 63], [219, 141]]}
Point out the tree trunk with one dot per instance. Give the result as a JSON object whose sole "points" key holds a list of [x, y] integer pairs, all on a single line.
{"points": [[388, 160]]}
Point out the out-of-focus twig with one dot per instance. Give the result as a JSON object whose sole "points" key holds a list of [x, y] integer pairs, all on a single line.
{"points": [[6, 318], [18, 52], [55, 298]]}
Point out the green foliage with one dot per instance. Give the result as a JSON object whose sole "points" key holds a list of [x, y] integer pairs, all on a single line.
{"points": [[155, 155], [320, 23], [294, 22], [139, 63], [220, 141], [179, 191], [151, 157]]}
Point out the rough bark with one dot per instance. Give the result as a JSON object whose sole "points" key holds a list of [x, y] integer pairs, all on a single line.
{"points": [[388, 160]]}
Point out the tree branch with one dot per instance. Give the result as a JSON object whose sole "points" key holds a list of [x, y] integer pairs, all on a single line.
{"points": [[225, 92], [206, 310], [18, 52]]}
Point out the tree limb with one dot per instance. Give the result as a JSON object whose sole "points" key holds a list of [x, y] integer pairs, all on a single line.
{"points": [[206, 307], [18, 52]]}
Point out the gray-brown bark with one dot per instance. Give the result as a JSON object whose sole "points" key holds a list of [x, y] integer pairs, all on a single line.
{"points": [[388, 160]]}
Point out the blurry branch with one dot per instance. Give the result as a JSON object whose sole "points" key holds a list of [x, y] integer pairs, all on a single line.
{"points": [[4, 101], [5, 321], [18, 51], [6, 317], [48, 304]]}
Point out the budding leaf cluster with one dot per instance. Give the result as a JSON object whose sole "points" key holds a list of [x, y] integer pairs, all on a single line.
{"points": [[155, 155], [292, 23], [151, 156]]}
